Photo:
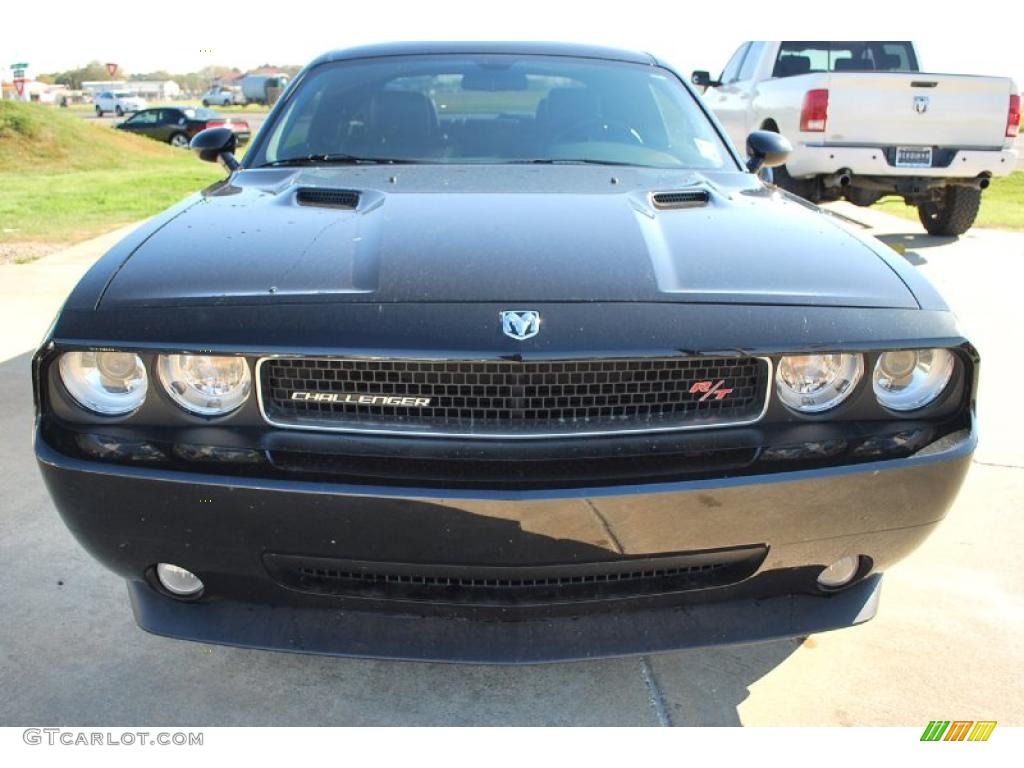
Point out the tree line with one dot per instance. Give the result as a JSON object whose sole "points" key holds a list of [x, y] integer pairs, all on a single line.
{"points": [[190, 82]]}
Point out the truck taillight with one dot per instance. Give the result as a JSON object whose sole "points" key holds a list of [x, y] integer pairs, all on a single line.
{"points": [[1013, 117], [814, 113]]}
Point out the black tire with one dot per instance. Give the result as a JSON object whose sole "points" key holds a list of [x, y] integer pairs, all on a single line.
{"points": [[805, 188], [864, 198], [99, 112], [206, 103], [953, 214], [118, 111], [179, 140]]}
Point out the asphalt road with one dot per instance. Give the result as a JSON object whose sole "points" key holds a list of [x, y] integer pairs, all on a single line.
{"points": [[946, 643]]}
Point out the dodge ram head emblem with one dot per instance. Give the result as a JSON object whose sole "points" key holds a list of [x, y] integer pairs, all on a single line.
{"points": [[920, 104], [520, 324]]}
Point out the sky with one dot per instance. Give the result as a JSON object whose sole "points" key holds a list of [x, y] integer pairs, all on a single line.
{"points": [[57, 34]]}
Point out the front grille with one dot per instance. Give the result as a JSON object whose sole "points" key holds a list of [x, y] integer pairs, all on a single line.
{"points": [[513, 399], [515, 585]]}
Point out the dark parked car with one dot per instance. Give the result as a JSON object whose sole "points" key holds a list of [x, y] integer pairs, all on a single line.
{"points": [[177, 125], [500, 352]]}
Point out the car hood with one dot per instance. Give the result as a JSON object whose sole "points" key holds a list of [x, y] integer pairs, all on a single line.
{"points": [[510, 234]]}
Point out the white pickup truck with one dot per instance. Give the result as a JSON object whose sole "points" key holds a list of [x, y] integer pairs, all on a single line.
{"points": [[865, 122], [222, 96]]}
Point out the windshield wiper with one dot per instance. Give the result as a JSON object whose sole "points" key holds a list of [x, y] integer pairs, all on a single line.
{"points": [[338, 159], [570, 161]]}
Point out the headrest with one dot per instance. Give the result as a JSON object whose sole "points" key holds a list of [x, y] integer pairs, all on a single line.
{"points": [[790, 66]]}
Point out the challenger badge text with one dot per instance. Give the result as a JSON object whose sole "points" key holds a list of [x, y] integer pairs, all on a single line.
{"points": [[357, 399]]}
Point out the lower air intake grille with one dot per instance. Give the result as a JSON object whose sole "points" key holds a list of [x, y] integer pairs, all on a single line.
{"points": [[515, 585], [513, 399]]}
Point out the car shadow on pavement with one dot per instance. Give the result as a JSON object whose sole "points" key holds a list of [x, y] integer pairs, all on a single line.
{"points": [[907, 243], [75, 656]]}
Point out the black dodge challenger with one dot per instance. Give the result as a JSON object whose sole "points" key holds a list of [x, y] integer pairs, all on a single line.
{"points": [[500, 353]]}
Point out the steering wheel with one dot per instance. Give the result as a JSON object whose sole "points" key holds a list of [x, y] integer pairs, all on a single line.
{"points": [[627, 131]]}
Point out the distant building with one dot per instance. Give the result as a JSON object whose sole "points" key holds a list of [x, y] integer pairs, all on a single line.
{"points": [[92, 87], [155, 89], [235, 78], [33, 90]]}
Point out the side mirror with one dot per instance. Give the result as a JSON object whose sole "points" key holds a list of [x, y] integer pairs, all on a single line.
{"points": [[216, 144], [702, 79], [766, 149]]}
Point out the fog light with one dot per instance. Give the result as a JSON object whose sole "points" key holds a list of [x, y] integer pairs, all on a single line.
{"points": [[840, 573], [177, 580]]}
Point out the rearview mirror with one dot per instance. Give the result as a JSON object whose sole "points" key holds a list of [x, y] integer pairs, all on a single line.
{"points": [[216, 144], [766, 149]]}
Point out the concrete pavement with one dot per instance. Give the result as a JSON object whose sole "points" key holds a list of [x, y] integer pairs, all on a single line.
{"points": [[31, 294], [945, 644]]}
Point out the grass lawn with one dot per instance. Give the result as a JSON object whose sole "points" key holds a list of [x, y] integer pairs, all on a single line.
{"points": [[63, 179], [1002, 204]]}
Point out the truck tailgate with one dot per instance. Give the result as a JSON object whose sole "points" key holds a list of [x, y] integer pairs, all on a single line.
{"points": [[917, 109]]}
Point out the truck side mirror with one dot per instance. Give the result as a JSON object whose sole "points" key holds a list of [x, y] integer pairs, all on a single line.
{"points": [[766, 149], [216, 144], [702, 79]]}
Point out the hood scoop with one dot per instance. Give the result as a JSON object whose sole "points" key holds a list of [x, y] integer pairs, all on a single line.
{"points": [[327, 198], [684, 198]]}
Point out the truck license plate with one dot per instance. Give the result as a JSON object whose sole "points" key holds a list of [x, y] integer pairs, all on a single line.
{"points": [[914, 157]]}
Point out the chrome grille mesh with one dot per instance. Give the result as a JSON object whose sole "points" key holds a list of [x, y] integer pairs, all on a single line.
{"points": [[515, 398]]}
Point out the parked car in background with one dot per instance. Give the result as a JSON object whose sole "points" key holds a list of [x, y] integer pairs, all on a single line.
{"points": [[118, 102], [177, 125], [500, 352], [865, 122], [222, 96]]}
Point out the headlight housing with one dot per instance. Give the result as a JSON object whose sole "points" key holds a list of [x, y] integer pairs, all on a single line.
{"points": [[104, 382], [816, 383], [908, 379], [206, 385]]}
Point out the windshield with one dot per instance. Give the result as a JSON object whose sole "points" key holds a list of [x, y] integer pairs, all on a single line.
{"points": [[124, 95], [492, 109]]}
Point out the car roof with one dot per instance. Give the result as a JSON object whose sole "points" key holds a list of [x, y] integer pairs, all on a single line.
{"points": [[522, 48]]}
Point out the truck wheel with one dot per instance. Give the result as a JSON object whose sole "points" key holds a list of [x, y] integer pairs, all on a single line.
{"points": [[953, 214], [99, 112], [119, 111], [805, 188], [864, 198]]}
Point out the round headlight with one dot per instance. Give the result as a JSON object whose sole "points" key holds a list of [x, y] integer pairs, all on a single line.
{"points": [[108, 383], [908, 379], [206, 385], [815, 383]]}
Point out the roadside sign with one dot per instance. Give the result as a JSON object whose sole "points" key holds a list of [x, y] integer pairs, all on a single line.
{"points": [[111, 68], [19, 86]]}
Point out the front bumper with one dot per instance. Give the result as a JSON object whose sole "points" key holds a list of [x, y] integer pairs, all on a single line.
{"points": [[818, 160], [223, 528]]}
